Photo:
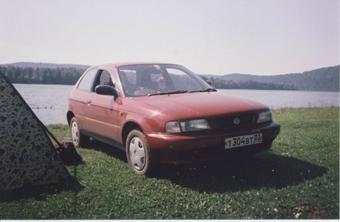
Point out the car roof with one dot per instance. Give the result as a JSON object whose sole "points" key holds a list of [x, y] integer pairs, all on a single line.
{"points": [[115, 65]]}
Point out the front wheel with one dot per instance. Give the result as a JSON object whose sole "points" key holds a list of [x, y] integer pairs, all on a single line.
{"points": [[138, 153]]}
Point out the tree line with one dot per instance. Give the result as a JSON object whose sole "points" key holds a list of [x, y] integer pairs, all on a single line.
{"points": [[66, 76], [220, 83]]}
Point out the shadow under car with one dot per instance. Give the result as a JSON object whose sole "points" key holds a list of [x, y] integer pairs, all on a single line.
{"points": [[233, 173]]}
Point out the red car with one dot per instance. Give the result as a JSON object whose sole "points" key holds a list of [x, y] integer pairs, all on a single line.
{"points": [[164, 113]]}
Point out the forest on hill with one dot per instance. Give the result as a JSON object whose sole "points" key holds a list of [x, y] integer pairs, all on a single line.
{"points": [[322, 79]]}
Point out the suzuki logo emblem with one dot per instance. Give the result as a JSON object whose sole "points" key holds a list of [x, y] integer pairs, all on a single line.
{"points": [[236, 120]]}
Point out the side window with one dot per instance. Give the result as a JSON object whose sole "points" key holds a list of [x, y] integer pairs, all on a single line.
{"points": [[104, 78], [87, 82]]}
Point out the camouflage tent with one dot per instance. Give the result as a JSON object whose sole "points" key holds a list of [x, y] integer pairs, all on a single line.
{"points": [[27, 155]]}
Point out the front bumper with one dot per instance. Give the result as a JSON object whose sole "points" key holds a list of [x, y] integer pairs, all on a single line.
{"points": [[177, 148]]}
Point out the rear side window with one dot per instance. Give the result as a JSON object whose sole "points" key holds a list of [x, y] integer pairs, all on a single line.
{"points": [[87, 81]]}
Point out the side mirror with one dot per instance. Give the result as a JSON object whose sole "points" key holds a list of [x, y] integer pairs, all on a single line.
{"points": [[106, 90]]}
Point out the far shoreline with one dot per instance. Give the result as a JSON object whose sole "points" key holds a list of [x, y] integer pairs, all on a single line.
{"points": [[56, 84]]}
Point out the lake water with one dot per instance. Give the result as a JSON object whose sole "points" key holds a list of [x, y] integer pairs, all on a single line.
{"points": [[49, 102]]}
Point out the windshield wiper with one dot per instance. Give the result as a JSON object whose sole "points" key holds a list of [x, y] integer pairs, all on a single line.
{"points": [[204, 90], [171, 92]]}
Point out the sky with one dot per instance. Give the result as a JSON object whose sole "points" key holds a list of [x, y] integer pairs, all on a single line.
{"points": [[208, 36]]}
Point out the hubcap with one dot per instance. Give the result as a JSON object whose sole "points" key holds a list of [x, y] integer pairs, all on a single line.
{"points": [[137, 153], [75, 133]]}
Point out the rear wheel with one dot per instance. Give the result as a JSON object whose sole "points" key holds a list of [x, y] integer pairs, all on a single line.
{"points": [[138, 153], [78, 139]]}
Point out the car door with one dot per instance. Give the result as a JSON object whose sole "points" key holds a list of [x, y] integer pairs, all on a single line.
{"points": [[103, 109], [81, 98]]}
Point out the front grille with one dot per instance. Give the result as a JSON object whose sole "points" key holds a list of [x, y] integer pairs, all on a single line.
{"points": [[234, 121]]}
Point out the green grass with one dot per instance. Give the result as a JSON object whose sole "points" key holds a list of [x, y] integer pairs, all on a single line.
{"points": [[301, 172]]}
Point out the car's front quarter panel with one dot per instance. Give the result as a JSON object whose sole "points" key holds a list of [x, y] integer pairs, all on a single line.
{"points": [[148, 119]]}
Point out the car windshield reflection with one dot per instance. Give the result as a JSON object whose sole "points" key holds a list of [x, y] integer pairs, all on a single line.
{"points": [[159, 79]]}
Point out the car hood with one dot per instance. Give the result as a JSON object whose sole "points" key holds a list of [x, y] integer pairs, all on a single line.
{"points": [[192, 105]]}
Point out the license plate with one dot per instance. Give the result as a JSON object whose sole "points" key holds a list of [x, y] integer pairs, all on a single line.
{"points": [[245, 140]]}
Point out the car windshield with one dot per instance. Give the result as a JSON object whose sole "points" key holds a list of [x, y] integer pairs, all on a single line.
{"points": [[159, 79]]}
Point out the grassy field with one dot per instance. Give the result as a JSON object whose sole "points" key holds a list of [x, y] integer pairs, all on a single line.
{"points": [[299, 178]]}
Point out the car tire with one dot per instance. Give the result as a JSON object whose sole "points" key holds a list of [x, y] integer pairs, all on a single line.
{"points": [[78, 139], [138, 153]]}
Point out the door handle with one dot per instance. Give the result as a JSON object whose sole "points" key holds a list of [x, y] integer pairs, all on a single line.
{"points": [[88, 102]]}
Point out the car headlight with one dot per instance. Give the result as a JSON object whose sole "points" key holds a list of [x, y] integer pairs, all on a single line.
{"points": [[186, 126], [264, 116], [172, 127]]}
